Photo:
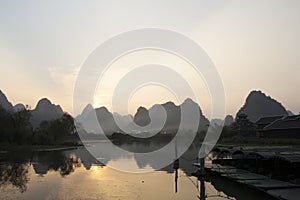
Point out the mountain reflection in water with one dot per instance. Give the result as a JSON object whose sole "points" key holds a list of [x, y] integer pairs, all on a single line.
{"points": [[76, 174]]}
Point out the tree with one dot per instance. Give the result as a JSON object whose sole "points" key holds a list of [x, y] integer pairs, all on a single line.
{"points": [[56, 131], [15, 174], [6, 126], [22, 127]]}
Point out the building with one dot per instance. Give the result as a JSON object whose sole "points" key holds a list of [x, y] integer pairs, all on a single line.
{"points": [[265, 121], [285, 127]]}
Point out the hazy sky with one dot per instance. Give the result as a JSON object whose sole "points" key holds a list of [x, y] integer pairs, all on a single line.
{"points": [[254, 45]]}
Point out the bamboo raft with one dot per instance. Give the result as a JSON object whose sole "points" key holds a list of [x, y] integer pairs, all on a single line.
{"points": [[278, 189]]}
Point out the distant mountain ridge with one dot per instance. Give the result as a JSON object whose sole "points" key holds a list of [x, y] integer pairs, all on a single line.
{"points": [[173, 115], [44, 110], [259, 105], [8, 106], [88, 118]]}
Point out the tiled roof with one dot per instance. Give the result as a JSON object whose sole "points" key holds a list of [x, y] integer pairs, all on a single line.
{"points": [[288, 122], [268, 120]]}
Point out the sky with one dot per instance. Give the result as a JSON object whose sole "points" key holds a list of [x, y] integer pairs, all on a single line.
{"points": [[253, 44]]}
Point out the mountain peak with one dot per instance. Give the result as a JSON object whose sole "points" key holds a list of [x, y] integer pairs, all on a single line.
{"points": [[189, 101], [141, 109], [44, 102], [258, 105], [88, 108], [142, 117], [19, 107], [169, 104], [4, 103], [102, 109], [45, 111], [256, 94]]}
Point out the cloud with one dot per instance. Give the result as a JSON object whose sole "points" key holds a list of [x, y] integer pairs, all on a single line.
{"points": [[64, 77]]}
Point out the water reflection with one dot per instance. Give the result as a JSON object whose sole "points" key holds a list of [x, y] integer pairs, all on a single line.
{"points": [[75, 174], [14, 168], [15, 174]]}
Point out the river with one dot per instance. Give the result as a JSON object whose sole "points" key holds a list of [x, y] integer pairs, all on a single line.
{"points": [[76, 174]]}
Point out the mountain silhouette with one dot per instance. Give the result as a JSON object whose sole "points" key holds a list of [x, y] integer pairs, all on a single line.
{"points": [[90, 118], [4, 103], [45, 111], [259, 105], [142, 117], [124, 120], [87, 120], [190, 105], [8, 106], [173, 117], [19, 107], [106, 120]]}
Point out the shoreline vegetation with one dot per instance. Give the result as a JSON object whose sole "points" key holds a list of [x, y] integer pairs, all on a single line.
{"points": [[18, 134], [227, 143], [118, 141]]}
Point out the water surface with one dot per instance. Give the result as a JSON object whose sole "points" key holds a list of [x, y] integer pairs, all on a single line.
{"points": [[75, 174]]}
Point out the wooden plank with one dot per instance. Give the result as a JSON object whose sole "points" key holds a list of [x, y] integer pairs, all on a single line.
{"points": [[276, 188], [218, 166], [230, 171], [268, 184], [287, 193], [208, 166], [245, 176]]}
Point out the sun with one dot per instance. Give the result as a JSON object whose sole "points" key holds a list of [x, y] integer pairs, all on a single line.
{"points": [[96, 170]]}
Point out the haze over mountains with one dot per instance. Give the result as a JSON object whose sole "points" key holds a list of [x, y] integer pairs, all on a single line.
{"points": [[257, 105], [88, 118], [173, 115]]}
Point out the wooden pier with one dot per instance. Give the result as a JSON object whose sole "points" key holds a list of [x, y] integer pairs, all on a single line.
{"points": [[277, 189]]}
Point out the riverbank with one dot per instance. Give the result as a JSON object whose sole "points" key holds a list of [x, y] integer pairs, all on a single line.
{"points": [[32, 148], [246, 142]]}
